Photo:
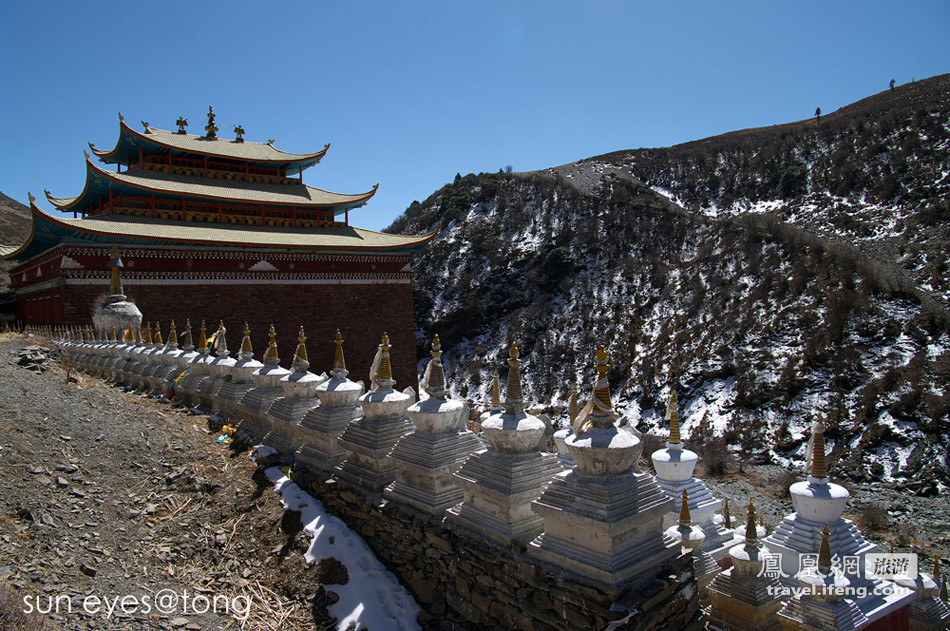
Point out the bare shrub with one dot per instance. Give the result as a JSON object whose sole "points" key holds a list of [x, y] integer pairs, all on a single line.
{"points": [[12, 614], [715, 457], [873, 518]]}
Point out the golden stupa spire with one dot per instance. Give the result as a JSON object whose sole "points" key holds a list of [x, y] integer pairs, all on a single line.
{"points": [[936, 572], [751, 533], [673, 415], [602, 388], [172, 336], [301, 362], [572, 408], [339, 362], [685, 518], [270, 355], [943, 589], [818, 469], [495, 392], [158, 334], [385, 365], [115, 266], [514, 398], [435, 381], [138, 336], [148, 333], [726, 517], [113, 337], [247, 351], [203, 339], [824, 551]]}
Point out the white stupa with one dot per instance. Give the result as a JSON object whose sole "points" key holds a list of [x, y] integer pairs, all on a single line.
{"points": [[322, 426], [300, 396], [369, 439], [500, 483], [426, 459], [259, 399], [674, 474], [231, 392]]}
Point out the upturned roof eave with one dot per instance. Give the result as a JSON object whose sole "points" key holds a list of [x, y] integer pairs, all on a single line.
{"points": [[341, 206], [299, 161], [47, 232]]}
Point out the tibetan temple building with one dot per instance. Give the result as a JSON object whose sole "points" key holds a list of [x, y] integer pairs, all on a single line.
{"points": [[228, 228]]}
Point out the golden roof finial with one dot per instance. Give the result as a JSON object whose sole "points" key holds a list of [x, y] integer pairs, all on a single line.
{"points": [[203, 339], [270, 355], [172, 336], [158, 334], [247, 351], [495, 392], [339, 363], [211, 128], [385, 364], [818, 469], [824, 551], [673, 415], [301, 362], [685, 518], [751, 533], [726, 517]]}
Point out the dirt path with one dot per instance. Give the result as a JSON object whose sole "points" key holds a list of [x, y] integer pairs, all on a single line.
{"points": [[109, 496]]}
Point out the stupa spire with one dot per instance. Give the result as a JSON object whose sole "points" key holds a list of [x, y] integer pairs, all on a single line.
{"points": [[203, 339], [115, 268], [247, 351], [684, 509], [818, 469], [271, 358], [495, 392], [381, 374], [301, 362], [514, 399], [602, 388], [186, 337], [943, 589], [113, 338], [435, 377], [673, 416], [751, 533], [726, 517], [220, 341], [158, 334], [148, 333], [824, 551], [599, 411], [339, 363], [572, 408], [172, 336]]}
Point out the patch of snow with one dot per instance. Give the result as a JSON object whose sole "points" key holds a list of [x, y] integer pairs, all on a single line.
{"points": [[373, 598]]}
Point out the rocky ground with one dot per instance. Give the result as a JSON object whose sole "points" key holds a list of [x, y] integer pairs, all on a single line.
{"points": [[107, 495]]}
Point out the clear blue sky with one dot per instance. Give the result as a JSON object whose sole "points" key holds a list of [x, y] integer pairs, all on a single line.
{"points": [[410, 93]]}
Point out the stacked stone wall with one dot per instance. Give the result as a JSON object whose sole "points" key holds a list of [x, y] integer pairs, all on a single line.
{"points": [[464, 581]]}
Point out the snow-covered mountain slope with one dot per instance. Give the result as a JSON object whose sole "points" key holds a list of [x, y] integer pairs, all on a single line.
{"points": [[760, 324]]}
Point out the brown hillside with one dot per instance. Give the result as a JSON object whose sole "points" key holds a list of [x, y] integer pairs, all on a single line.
{"points": [[14, 229]]}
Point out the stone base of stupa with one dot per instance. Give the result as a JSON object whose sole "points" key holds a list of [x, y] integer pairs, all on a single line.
{"points": [[230, 396], [425, 464], [254, 407], [185, 391], [367, 443], [702, 508], [498, 488], [796, 536], [607, 528], [320, 431], [743, 602], [285, 415], [929, 614], [803, 613]]}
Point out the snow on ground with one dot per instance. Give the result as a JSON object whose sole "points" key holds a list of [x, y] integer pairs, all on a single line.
{"points": [[373, 598]]}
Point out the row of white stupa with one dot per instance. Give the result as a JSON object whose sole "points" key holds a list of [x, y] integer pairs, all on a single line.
{"points": [[597, 514]]}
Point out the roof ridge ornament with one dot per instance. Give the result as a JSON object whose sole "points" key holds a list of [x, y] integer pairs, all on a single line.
{"points": [[240, 133], [145, 125], [211, 128], [182, 122]]}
